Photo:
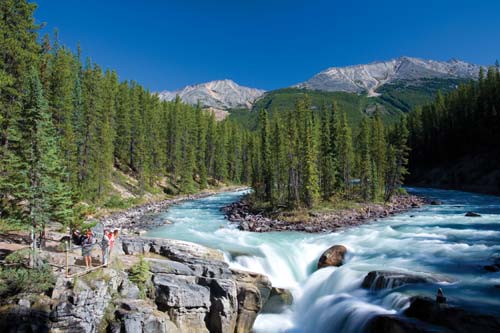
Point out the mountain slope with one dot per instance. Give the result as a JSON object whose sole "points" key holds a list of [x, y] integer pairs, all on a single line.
{"points": [[220, 95], [370, 77]]}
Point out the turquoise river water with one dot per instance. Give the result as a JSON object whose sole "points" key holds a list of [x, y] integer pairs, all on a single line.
{"points": [[432, 239]]}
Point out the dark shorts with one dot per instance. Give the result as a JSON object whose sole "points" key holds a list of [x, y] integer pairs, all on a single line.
{"points": [[87, 251]]}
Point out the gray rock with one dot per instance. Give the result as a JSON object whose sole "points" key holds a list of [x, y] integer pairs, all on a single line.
{"points": [[376, 280], [453, 318], [278, 300], [472, 214]]}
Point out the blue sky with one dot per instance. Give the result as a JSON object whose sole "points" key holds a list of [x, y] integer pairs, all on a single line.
{"points": [[267, 44]]}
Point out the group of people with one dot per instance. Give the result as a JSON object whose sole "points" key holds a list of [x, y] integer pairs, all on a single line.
{"points": [[87, 241]]}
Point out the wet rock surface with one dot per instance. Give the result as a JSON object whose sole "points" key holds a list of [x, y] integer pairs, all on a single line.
{"points": [[377, 280], [334, 256], [453, 318], [279, 299], [425, 315], [241, 213]]}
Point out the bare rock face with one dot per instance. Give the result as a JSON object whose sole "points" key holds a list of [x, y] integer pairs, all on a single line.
{"points": [[192, 290], [253, 293], [334, 256], [279, 299], [216, 95], [368, 78]]}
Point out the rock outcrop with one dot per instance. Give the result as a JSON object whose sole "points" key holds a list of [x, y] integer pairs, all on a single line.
{"points": [[472, 214], [279, 299], [334, 256], [453, 318], [376, 280], [191, 290], [425, 315]]}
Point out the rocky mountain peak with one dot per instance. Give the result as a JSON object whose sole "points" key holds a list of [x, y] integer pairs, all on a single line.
{"points": [[369, 77], [220, 94]]}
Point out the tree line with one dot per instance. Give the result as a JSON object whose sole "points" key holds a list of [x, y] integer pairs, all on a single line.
{"points": [[306, 157], [66, 123], [460, 123]]}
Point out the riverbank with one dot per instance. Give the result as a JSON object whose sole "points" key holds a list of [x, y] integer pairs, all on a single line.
{"points": [[154, 285], [241, 212], [139, 219]]}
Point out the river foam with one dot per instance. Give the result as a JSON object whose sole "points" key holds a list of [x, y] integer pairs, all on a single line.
{"points": [[433, 239]]}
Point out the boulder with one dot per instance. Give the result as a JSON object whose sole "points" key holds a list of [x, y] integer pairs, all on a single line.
{"points": [[278, 300], [377, 280], [472, 214], [436, 202], [453, 318], [253, 292], [334, 256]]}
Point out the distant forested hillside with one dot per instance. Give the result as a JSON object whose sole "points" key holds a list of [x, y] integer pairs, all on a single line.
{"points": [[455, 140], [395, 99]]}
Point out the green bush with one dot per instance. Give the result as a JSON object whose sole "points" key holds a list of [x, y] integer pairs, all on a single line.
{"points": [[139, 274], [16, 280]]}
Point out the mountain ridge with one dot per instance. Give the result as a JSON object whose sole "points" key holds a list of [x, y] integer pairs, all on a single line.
{"points": [[219, 95], [223, 95], [369, 77]]}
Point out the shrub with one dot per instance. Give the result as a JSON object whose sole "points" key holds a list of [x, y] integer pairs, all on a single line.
{"points": [[139, 274], [16, 280]]}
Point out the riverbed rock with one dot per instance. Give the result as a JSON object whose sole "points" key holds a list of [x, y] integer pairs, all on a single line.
{"points": [[376, 280], [453, 318], [436, 202], [472, 214], [279, 299], [253, 292], [334, 256]]}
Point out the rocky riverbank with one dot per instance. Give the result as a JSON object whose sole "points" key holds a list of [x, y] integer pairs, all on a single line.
{"points": [[241, 212], [189, 289], [144, 217]]}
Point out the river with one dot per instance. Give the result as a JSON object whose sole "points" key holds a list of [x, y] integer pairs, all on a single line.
{"points": [[432, 239]]}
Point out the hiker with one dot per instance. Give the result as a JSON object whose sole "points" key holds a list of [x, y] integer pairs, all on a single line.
{"points": [[87, 245], [105, 246], [116, 232]]}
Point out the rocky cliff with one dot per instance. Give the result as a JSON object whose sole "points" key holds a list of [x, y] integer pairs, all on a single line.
{"points": [[190, 290]]}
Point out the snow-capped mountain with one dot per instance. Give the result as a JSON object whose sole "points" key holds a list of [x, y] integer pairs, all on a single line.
{"points": [[367, 78], [219, 95]]}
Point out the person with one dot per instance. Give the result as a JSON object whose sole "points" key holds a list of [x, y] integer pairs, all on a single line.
{"points": [[87, 245], [113, 240], [105, 246]]}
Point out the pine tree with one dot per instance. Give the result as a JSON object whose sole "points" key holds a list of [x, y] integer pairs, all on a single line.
{"points": [[378, 153], [365, 163], [345, 153], [266, 170], [46, 196], [327, 163]]}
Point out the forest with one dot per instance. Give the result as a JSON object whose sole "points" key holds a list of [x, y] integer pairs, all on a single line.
{"points": [[66, 124], [460, 133]]}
